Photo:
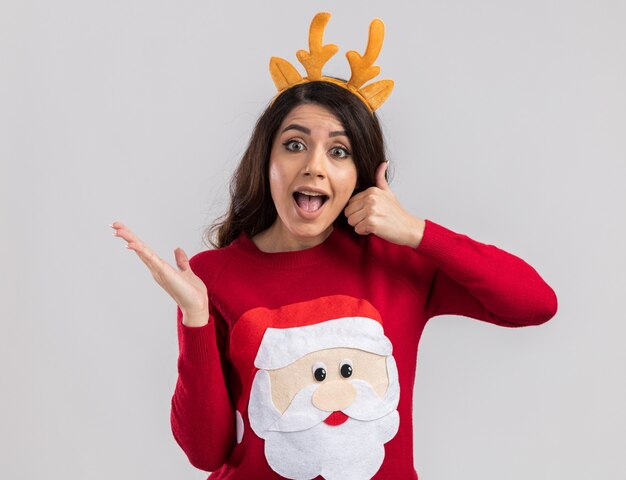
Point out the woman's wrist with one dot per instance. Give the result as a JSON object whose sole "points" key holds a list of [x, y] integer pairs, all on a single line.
{"points": [[417, 232], [196, 319]]}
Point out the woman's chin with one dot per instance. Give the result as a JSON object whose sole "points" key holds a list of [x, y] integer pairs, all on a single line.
{"points": [[306, 234], [311, 233]]}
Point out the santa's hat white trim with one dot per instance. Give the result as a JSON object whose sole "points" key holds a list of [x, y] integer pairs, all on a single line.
{"points": [[282, 346]]}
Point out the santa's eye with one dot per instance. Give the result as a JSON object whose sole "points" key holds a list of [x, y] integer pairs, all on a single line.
{"points": [[319, 371], [345, 368]]}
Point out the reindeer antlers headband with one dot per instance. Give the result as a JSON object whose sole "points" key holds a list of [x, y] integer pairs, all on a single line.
{"points": [[362, 66]]}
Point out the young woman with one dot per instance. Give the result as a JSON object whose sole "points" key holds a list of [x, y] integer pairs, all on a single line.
{"points": [[298, 334]]}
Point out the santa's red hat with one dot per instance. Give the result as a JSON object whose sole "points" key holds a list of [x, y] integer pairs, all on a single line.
{"points": [[268, 339]]}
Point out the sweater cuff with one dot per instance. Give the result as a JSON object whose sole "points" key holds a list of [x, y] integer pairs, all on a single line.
{"points": [[437, 242], [196, 341]]}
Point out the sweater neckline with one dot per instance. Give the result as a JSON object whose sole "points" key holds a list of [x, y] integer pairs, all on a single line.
{"points": [[294, 258]]}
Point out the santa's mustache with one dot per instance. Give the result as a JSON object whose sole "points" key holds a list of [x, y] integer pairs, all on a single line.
{"points": [[302, 414]]}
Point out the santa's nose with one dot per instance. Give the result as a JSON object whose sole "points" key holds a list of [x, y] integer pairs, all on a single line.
{"points": [[334, 395]]}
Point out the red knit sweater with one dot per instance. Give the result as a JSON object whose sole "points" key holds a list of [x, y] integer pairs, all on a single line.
{"points": [[448, 273]]}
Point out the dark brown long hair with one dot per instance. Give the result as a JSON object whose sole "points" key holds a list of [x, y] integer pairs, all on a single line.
{"points": [[251, 207]]}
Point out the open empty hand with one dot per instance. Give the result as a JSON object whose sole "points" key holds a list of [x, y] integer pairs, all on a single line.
{"points": [[184, 286]]}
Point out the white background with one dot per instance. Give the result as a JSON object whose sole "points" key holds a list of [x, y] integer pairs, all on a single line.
{"points": [[507, 123]]}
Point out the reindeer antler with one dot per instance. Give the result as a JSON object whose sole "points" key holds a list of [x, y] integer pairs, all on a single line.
{"points": [[362, 66], [318, 53]]}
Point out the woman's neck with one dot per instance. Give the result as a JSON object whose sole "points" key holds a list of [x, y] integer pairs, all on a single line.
{"points": [[277, 238]]}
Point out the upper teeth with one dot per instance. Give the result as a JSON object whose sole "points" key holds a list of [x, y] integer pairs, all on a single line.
{"points": [[312, 194]]}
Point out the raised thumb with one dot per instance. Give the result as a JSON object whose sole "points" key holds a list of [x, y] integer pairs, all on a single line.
{"points": [[381, 181], [181, 259]]}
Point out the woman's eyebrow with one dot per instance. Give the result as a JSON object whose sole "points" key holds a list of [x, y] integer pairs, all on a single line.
{"points": [[300, 128], [338, 133]]}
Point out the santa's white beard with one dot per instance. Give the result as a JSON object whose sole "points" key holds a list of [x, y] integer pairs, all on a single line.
{"points": [[299, 445]]}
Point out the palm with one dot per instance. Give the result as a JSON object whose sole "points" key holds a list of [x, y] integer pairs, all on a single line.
{"points": [[184, 286]]}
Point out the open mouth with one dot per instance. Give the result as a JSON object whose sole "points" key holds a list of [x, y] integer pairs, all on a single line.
{"points": [[310, 201]]}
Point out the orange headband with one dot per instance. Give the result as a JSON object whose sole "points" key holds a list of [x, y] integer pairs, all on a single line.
{"points": [[362, 66]]}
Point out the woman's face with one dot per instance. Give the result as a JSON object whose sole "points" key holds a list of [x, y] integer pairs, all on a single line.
{"points": [[312, 176]]}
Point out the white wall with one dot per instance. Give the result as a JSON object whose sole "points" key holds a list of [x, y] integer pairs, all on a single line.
{"points": [[507, 123]]}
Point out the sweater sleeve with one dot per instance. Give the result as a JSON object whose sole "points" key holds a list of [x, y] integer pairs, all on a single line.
{"points": [[202, 417], [482, 281]]}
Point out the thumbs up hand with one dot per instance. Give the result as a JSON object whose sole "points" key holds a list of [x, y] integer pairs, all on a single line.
{"points": [[377, 210]]}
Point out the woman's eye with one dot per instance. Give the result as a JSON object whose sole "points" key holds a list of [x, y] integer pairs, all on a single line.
{"points": [[294, 145], [339, 152]]}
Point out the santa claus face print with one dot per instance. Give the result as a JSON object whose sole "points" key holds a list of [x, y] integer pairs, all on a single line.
{"points": [[324, 391], [328, 412], [312, 176]]}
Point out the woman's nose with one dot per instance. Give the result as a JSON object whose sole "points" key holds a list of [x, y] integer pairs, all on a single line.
{"points": [[315, 164]]}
